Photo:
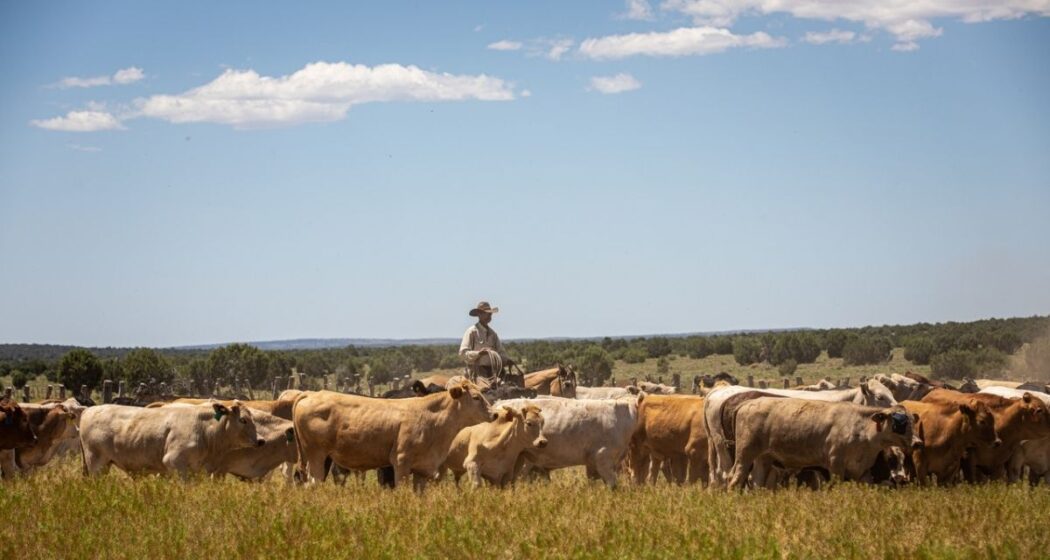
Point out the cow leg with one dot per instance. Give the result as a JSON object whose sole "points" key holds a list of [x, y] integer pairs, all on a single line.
{"points": [[314, 469], [1015, 466], [8, 468], [918, 458], [419, 482], [604, 466], [639, 463], [656, 463], [176, 464], [472, 466]]}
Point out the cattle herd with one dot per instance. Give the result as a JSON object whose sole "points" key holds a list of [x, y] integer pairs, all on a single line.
{"points": [[890, 429]]}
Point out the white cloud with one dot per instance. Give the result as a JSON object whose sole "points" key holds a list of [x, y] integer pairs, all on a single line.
{"points": [[638, 10], [907, 20], [320, 91], [81, 121], [833, 36], [504, 46], [526, 93], [683, 41], [123, 76], [128, 75], [614, 84], [557, 47]]}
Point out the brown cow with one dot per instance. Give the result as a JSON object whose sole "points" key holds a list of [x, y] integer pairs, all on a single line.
{"points": [[490, 450], [558, 382], [1016, 420], [947, 431], [359, 432], [53, 424], [670, 429], [15, 429]]}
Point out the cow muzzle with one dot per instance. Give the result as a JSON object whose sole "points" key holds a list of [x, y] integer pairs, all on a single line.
{"points": [[540, 443], [260, 442], [998, 442]]}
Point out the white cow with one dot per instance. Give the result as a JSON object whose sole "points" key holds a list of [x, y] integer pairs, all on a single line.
{"points": [[592, 433], [595, 393], [170, 439], [869, 393]]}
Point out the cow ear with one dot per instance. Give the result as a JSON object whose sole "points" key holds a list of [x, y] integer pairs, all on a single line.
{"points": [[456, 392], [509, 414], [968, 409], [418, 388], [220, 410], [1027, 397], [289, 435]]}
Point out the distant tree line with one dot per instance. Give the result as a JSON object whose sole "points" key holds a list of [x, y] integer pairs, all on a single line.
{"points": [[952, 350]]}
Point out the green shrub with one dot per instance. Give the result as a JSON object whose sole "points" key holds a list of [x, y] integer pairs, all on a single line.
{"points": [[747, 350], [836, 342], [787, 367], [919, 350], [19, 378], [79, 367], [635, 355], [866, 350], [954, 364]]}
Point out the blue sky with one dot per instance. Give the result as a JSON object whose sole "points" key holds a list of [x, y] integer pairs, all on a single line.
{"points": [[206, 172]]}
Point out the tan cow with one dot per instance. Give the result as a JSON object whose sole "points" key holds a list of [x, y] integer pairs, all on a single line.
{"points": [[841, 437], [948, 431], [558, 382], [358, 432], [670, 429], [171, 439], [1016, 420], [281, 408], [490, 450], [254, 463]]}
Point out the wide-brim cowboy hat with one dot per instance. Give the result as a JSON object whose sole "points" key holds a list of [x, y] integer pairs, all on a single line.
{"points": [[483, 307]]}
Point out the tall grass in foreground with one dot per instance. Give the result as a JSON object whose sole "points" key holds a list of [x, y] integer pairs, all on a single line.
{"points": [[59, 514]]}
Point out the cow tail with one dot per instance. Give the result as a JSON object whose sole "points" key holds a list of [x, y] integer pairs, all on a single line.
{"points": [[301, 472]]}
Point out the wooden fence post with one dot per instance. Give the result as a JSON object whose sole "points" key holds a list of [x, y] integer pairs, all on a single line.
{"points": [[798, 381], [291, 382], [47, 395], [676, 381], [61, 392], [787, 383], [107, 391], [85, 393], [763, 385], [121, 389], [750, 380], [273, 387], [25, 393]]}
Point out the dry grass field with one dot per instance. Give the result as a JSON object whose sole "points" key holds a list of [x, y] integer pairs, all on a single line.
{"points": [[59, 514]]}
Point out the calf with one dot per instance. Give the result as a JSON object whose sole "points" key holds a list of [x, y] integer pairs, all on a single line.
{"points": [[948, 430], [670, 429], [591, 433], [173, 439], [841, 437], [254, 463], [490, 450]]}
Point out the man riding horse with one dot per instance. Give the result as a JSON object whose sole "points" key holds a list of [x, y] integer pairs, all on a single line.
{"points": [[482, 349]]}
